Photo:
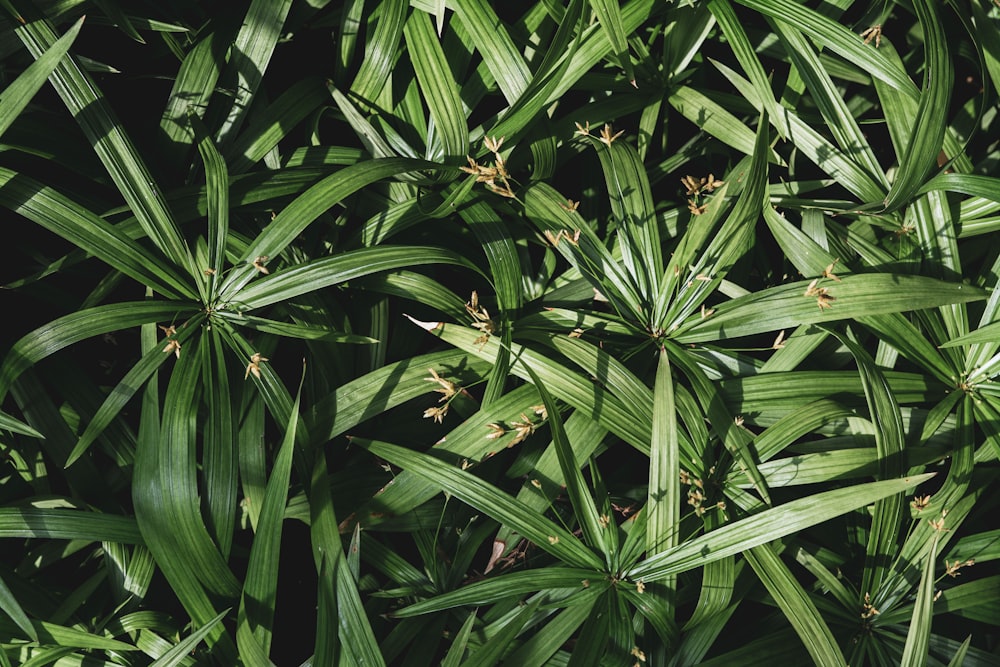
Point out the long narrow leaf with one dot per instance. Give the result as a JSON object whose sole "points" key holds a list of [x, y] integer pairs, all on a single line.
{"points": [[80, 325], [19, 93], [789, 306], [929, 125], [796, 605], [115, 149], [767, 526], [491, 501]]}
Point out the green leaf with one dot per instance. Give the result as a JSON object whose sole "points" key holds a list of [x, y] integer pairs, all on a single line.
{"points": [[796, 604], [302, 211], [63, 524], [838, 38], [584, 507], [494, 44], [543, 645], [355, 630], [767, 526], [11, 607], [839, 118], [731, 242], [380, 50], [440, 92], [132, 382], [724, 424], [183, 649], [19, 93], [493, 650], [632, 204], [919, 632], [89, 232], [260, 585], [890, 443], [854, 296], [610, 17], [192, 89], [80, 325], [113, 146], [738, 41], [558, 578], [304, 278], [581, 393], [663, 496], [461, 641], [52, 634], [489, 500], [272, 125], [713, 118], [14, 425], [248, 60], [929, 125]]}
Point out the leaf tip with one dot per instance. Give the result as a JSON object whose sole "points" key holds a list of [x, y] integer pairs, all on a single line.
{"points": [[427, 326]]}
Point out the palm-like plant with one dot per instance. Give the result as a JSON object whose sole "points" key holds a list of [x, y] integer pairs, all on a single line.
{"points": [[748, 418]]}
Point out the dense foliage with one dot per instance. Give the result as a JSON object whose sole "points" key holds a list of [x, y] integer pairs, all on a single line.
{"points": [[556, 333]]}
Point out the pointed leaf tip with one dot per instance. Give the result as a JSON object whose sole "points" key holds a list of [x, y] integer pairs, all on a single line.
{"points": [[427, 326]]}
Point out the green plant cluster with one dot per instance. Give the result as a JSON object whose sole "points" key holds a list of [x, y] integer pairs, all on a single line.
{"points": [[572, 332]]}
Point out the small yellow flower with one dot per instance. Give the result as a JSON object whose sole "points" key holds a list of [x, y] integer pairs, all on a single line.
{"points": [[823, 299], [493, 144], [254, 366], [447, 388], [583, 131], [481, 319], [828, 271], [496, 431], [173, 345], [640, 586], [867, 609], [437, 413], [259, 262], [952, 569], [691, 184], [874, 32], [522, 429], [606, 137], [711, 183], [570, 205]]}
